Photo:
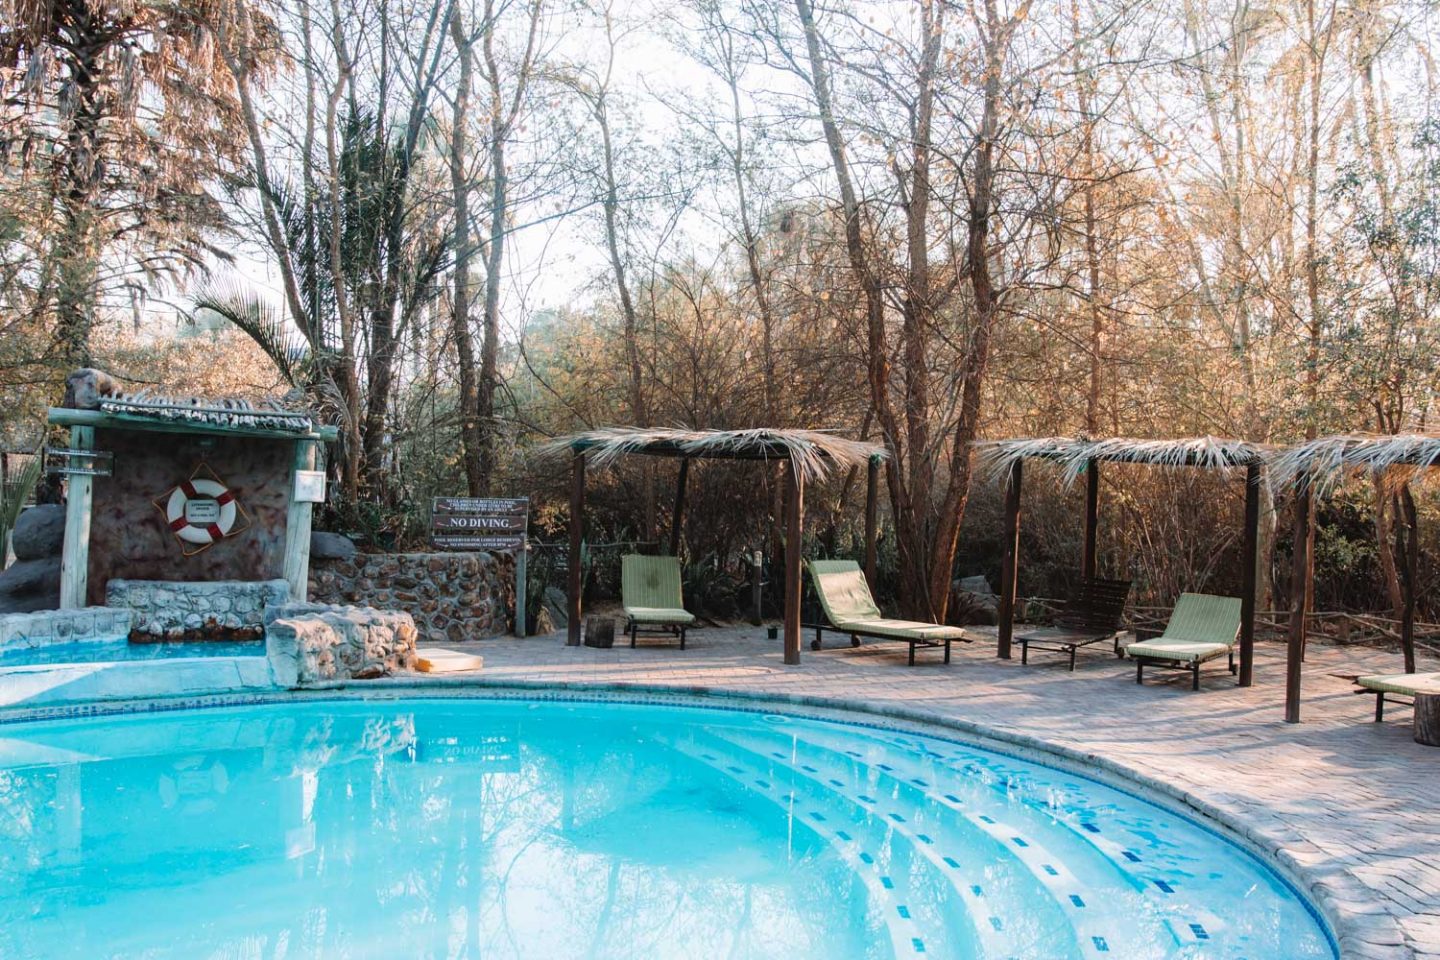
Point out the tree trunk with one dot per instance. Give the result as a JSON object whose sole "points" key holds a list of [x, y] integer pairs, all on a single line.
{"points": [[927, 526], [471, 441], [610, 206], [502, 119], [494, 261], [1386, 547], [76, 249]]}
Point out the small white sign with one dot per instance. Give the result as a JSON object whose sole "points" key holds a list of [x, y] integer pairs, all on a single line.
{"points": [[199, 513], [310, 486]]}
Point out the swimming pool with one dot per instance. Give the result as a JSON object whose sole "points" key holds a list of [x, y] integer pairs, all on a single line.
{"points": [[468, 828]]}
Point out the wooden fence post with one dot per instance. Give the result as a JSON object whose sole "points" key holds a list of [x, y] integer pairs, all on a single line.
{"points": [[1249, 557], [794, 531], [1295, 649], [1010, 561], [872, 517], [577, 532]]}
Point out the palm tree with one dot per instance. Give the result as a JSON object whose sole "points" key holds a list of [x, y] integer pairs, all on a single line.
{"points": [[337, 251], [126, 113]]}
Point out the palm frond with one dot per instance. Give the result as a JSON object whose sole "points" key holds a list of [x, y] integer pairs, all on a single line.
{"points": [[261, 322], [1073, 454], [1326, 461], [813, 452]]}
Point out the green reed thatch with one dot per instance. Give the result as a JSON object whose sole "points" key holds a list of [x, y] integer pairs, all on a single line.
{"points": [[1072, 454], [813, 452], [1325, 461]]}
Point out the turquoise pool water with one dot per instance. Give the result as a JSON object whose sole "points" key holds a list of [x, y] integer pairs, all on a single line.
{"points": [[120, 649], [452, 829]]}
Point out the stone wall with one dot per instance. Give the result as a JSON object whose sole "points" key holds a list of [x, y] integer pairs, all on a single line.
{"points": [[63, 626], [452, 596], [213, 610]]}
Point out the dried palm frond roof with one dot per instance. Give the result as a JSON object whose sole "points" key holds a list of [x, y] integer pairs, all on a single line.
{"points": [[94, 398], [1325, 461], [1072, 454], [813, 452]]}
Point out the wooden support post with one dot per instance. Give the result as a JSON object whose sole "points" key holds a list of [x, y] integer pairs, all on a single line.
{"points": [[872, 517], [1411, 567], [1010, 558], [1092, 517], [1295, 651], [79, 496], [794, 531], [1249, 557], [577, 533], [299, 517], [677, 523], [522, 586]]}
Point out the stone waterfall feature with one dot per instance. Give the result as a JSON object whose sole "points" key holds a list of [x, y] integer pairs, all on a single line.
{"points": [[314, 644]]}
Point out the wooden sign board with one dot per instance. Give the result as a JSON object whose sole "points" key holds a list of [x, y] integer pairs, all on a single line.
{"points": [[479, 523]]}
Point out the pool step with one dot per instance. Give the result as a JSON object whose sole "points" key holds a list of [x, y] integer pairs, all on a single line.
{"points": [[906, 937], [1105, 928], [54, 684], [440, 660]]}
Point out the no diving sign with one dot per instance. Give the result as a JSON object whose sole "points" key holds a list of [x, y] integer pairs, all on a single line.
{"points": [[479, 523]]}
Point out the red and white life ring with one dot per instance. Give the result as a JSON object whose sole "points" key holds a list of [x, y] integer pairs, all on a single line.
{"points": [[200, 511]]}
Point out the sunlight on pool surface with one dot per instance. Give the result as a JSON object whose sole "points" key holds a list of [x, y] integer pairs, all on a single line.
{"points": [[453, 829]]}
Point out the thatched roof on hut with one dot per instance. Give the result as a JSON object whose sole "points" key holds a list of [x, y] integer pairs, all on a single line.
{"points": [[1325, 461], [813, 452], [1072, 454], [95, 391]]}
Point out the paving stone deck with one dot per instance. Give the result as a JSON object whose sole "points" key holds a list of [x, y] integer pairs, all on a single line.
{"points": [[1352, 803]]}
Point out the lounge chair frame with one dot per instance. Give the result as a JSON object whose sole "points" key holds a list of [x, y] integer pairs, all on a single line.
{"points": [[1192, 667], [635, 628], [1092, 615], [1383, 697], [1399, 698], [855, 636], [856, 632], [1195, 616]]}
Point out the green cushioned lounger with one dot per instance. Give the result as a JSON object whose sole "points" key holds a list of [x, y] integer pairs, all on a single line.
{"points": [[1201, 628], [845, 598], [650, 593], [1389, 686]]}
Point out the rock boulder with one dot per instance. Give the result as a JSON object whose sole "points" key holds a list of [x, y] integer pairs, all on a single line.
{"points": [[39, 533], [555, 605], [30, 585], [972, 601], [331, 546]]}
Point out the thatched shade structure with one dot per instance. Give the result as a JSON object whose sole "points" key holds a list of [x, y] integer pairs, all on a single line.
{"points": [[808, 455], [1325, 461], [1074, 456], [1315, 467]]}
